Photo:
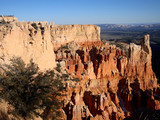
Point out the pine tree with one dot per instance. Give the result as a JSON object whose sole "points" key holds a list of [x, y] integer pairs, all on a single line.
{"points": [[29, 91]]}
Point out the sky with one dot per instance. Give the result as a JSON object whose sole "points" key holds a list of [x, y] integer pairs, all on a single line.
{"points": [[84, 11]]}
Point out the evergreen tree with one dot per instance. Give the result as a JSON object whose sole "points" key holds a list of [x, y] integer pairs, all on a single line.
{"points": [[29, 91]]}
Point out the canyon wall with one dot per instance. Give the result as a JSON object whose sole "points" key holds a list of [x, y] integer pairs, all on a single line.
{"points": [[37, 40], [22, 41], [82, 34], [112, 85], [107, 61]]}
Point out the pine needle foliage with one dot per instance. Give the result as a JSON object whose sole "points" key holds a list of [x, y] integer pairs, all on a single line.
{"points": [[30, 91]]}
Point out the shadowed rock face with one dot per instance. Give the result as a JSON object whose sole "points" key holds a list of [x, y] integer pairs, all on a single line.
{"points": [[112, 86], [145, 114]]}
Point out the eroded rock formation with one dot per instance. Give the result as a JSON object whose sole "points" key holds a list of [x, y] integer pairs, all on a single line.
{"points": [[5, 19], [37, 40], [82, 34], [112, 85], [26, 42]]}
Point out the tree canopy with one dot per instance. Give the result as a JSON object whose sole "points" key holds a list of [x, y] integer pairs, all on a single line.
{"points": [[29, 91]]}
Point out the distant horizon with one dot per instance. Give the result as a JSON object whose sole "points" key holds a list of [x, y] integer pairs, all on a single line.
{"points": [[129, 23], [88, 23], [84, 11]]}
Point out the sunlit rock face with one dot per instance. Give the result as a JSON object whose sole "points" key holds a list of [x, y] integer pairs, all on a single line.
{"points": [[21, 39], [8, 19], [112, 85], [108, 61], [37, 40], [82, 34]]}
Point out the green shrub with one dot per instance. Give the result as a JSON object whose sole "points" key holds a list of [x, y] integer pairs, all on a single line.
{"points": [[58, 68], [75, 79], [29, 91]]}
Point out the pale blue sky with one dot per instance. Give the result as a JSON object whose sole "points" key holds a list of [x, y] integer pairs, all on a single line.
{"points": [[83, 11]]}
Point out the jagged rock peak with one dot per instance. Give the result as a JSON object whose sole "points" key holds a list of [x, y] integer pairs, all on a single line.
{"points": [[145, 43], [8, 19], [141, 52]]}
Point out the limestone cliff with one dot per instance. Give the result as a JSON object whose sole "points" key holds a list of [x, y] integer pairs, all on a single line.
{"points": [[37, 40], [82, 34], [22, 41]]}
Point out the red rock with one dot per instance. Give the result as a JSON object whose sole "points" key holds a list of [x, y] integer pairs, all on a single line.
{"points": [[114, 84]]}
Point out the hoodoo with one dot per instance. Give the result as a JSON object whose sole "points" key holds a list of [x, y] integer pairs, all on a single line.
{"points": [[112, 84]]}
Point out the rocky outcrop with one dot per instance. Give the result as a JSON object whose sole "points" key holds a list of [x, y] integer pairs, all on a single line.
{"points": [[113, 85], [7, 19], [82, 34], [139, 63], [109, 61], [37, 40], [28, 43]]}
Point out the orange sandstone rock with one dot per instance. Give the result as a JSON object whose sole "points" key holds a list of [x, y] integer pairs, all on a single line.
{"points": [[115, 85]]}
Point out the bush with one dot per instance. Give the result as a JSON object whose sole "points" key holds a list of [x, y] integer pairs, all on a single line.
{"points": [[30, 91], [75, 79], [58, 68]]}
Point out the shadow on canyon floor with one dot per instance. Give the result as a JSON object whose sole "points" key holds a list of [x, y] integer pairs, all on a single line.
{"points": [[145, 114], [156, 60]]}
